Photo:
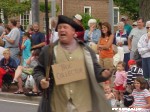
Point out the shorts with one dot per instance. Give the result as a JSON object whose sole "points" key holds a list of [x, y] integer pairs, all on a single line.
{"points": [[119, 88], [24, 76]]}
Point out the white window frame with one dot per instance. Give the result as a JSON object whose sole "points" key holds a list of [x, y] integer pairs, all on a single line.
{"points": [[24, 20], [88, 7], [117, 15]]}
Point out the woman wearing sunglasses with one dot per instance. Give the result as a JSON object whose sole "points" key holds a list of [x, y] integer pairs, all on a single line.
{"points": [[144, 51]]}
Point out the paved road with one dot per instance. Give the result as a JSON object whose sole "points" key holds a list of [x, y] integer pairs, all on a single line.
{"points": [[11, 105]]}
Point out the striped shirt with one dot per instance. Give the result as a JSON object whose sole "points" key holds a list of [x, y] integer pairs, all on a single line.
{"points": [[139, 97], [133, 73]]}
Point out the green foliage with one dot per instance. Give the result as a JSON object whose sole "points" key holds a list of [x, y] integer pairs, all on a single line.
{"points": [[42, 7], [13, 8], [129, 7], [85, 19]]}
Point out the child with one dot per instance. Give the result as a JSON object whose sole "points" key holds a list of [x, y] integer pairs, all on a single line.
{"points": [[26, 47], [120, 81], [109, 95], [141, 94], [133, 72]]}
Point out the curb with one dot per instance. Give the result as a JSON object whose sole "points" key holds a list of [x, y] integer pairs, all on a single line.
{"points": [[7, 95]]}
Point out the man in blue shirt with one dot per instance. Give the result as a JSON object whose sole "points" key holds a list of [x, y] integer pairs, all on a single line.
{"points": [[38, 38]]}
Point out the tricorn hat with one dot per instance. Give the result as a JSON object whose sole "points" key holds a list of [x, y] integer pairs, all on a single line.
{"points": [[64, 19]]}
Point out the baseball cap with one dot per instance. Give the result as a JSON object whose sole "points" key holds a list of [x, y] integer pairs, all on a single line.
{"points": [[123, 18]]}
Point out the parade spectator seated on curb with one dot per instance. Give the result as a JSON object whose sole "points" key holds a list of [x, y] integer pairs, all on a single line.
{"points": [[79, 95], [141, 94], [22, 72], [8, 65], [110, 95]]}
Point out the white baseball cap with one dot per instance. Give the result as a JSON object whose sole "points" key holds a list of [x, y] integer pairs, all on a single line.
{"points": [[78, 17]]}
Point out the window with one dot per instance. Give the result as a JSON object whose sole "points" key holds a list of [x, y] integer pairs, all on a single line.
{"points": [[116, 15], [87, 10], [24, 19], [2, 15]]}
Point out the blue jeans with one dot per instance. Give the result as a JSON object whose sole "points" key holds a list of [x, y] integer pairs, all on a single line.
{"points": [[146, 67], [126, 59]]}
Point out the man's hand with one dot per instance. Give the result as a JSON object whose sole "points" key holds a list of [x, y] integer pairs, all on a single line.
{"points": [[44, 83], [106, 73]]}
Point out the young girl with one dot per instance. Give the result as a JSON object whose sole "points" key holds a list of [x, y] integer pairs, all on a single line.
{"points": [[109, 95], [141, 94], [120, 81], [26, 47]]}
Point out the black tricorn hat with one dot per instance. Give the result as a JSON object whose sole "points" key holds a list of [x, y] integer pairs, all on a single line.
{"points": [[64, 19]]}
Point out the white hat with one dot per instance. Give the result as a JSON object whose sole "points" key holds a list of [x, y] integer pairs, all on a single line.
{"points": [[91, 21], [78, 17], [134, 23], [147, 23]]}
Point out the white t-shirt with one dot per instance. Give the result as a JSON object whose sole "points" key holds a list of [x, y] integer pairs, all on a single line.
{"points": [[135, 35], [13, 35]]}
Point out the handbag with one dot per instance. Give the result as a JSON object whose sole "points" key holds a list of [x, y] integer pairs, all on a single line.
{"points": [[2, 71]]}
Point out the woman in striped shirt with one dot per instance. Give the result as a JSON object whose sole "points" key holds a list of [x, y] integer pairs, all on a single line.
{"points": [[141, 94]]}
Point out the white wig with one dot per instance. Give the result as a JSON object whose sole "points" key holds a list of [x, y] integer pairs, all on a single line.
{"points": [[120, 23], [147, 23], [91, 21]]}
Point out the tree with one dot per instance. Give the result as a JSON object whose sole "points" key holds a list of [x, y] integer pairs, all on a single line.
{"points": [[134, 8], [129, 7], [13, 8], [144, 11], [42, 7]]}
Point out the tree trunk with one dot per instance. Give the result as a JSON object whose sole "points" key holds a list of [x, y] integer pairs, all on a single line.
{"points": [[144, 9], [35, 10]]}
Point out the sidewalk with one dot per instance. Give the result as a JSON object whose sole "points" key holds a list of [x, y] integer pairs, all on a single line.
{"points": [[9, 94]]}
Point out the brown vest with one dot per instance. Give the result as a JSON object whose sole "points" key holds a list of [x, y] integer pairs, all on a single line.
{"points": [[78, 91]]}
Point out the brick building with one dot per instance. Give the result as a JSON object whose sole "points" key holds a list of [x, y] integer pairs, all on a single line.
{"points": [[96, 8]]}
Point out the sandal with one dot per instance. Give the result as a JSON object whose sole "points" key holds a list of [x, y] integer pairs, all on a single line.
{"points": [[18, 92], [31, 93]]}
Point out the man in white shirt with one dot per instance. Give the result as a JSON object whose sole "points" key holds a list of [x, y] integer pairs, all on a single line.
{"points": [[135, 35], [12, 40]]}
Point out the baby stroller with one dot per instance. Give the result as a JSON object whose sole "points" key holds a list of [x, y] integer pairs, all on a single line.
{"points": [[128, 99]]}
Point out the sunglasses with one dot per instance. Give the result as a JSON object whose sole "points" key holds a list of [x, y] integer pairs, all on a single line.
{"points": [[147, 27], [134, 25]]}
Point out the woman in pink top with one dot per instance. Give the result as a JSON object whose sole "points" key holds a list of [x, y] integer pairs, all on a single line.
{"points": [[141, 94], [120, 81]]}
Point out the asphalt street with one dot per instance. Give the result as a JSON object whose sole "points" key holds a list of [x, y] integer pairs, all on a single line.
{"points": [[12, 105]]}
